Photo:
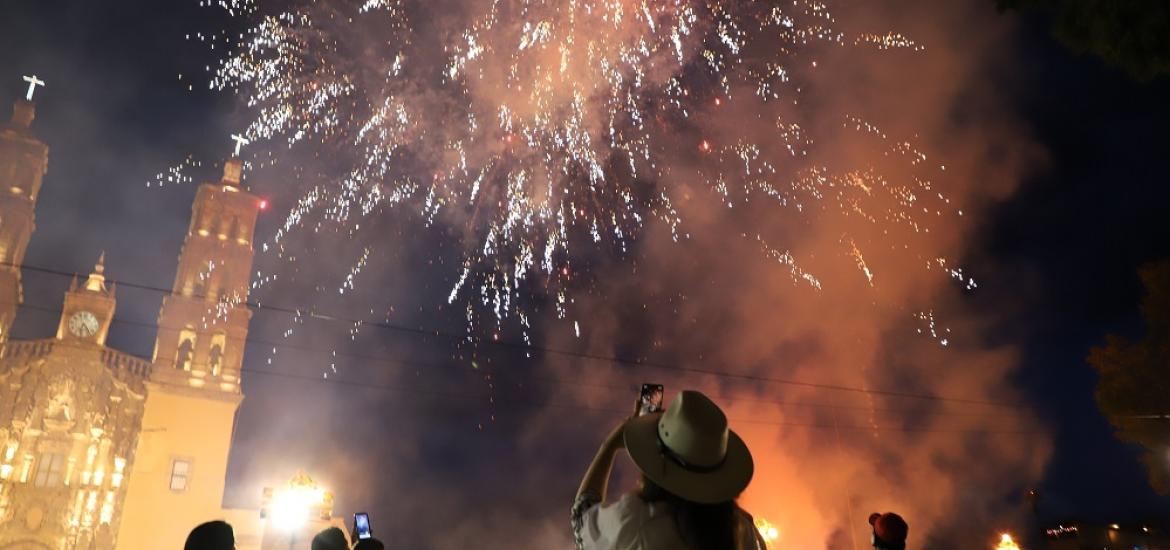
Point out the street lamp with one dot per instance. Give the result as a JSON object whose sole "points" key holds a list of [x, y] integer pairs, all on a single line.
{"points": [[292, 508], [1006, 543]]}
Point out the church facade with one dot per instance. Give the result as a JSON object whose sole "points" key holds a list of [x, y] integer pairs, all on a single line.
{"points": [[100, 449]]}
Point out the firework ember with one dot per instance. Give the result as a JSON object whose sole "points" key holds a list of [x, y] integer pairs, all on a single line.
{"points": [[548, 129]]}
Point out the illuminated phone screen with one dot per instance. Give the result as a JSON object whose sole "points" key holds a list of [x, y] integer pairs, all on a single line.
{"points": [[361, 525], [650, 400]]}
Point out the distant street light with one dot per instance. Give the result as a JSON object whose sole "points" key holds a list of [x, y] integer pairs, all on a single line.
{"points": [[1006, 543], [292, 507]]}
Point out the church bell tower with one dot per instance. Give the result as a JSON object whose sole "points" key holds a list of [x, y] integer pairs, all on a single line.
{"points": [[194, 387], [23, 162], [203, 323], [89, 308]]}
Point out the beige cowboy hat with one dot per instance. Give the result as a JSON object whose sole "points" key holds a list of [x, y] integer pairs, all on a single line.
{"points": [[689, 451]]}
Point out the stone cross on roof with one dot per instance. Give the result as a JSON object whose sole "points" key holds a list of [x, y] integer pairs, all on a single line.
{"points": [[240, 142], [33, 82]]}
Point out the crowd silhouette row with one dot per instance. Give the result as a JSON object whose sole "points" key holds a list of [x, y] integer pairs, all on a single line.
{"points": [[693, 469]]}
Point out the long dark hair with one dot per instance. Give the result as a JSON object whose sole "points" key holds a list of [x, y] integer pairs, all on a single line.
{"points": [[701, 526]]}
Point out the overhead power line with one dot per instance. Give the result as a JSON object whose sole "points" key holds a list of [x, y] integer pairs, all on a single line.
{"points": [[561, 382], [455, 337], [462, 399]]}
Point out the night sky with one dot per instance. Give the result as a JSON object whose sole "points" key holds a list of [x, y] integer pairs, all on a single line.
{"points": [[1056, 261]]}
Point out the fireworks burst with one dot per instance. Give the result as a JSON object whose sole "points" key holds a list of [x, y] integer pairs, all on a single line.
{"points": [[549, 127]]}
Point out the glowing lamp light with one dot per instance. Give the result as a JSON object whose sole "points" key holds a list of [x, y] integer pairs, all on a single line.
{"points": [[263, 204], [1006, 543], [292, 507]]}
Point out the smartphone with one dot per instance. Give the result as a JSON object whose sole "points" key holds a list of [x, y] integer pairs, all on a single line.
{"points": [[361, 526], [650, 400]]}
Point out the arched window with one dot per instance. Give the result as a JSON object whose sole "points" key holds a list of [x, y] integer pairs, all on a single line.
{"points": [[215, 357], [186, 351]]}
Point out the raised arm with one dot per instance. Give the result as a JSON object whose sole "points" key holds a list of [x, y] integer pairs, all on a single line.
{"points": [[596, 480]]}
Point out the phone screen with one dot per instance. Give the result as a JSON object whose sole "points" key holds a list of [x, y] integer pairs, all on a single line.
{"points": [[361, 525], [650, 400]]}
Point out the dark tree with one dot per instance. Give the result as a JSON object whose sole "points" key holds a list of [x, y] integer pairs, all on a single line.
{"points": [[1134, 390], [1133, 35]]}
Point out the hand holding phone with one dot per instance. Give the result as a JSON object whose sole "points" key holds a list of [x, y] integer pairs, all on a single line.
{"points": [[361, 526], [650, 399]]}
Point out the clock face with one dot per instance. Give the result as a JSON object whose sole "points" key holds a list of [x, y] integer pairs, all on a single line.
{"points": [[83, 324]]}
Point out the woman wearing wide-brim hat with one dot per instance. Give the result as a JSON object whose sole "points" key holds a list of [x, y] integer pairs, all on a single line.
{"points": [[693, 469]]}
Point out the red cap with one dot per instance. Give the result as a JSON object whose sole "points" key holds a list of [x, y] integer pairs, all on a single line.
{"points": [[889, 527]]}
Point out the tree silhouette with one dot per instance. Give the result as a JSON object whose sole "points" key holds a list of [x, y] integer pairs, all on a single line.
{"points": [[1129, 34], [1134, 387]]}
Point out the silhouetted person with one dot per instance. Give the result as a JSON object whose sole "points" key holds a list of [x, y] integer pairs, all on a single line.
{"points": [[368, 544], [329, 539], [889, 531], [213, 535], [693, 468]]}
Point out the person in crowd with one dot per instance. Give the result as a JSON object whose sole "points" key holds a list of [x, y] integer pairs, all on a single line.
{"points": [[889, 531], [368, 544], [693, 469], [331, 538], [213, 535]]}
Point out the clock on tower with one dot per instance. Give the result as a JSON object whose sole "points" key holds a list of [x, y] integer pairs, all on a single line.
{"points": [[83, 324], [89, 308]]}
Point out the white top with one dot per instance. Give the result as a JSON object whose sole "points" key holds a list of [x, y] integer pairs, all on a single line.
{"points": [[634, 524]]}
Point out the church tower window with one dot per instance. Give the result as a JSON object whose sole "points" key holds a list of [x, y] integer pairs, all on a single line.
{"points": [[180, 472], [186, 350], [49, 468], [215, 357]]}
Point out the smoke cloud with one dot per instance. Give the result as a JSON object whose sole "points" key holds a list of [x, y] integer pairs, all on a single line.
{"points": [[453, 454]]}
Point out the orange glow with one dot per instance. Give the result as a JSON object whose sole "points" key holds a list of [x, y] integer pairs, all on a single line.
{"points": [[769, 532], [1006, 543], [292, 507], [263, 204]]}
